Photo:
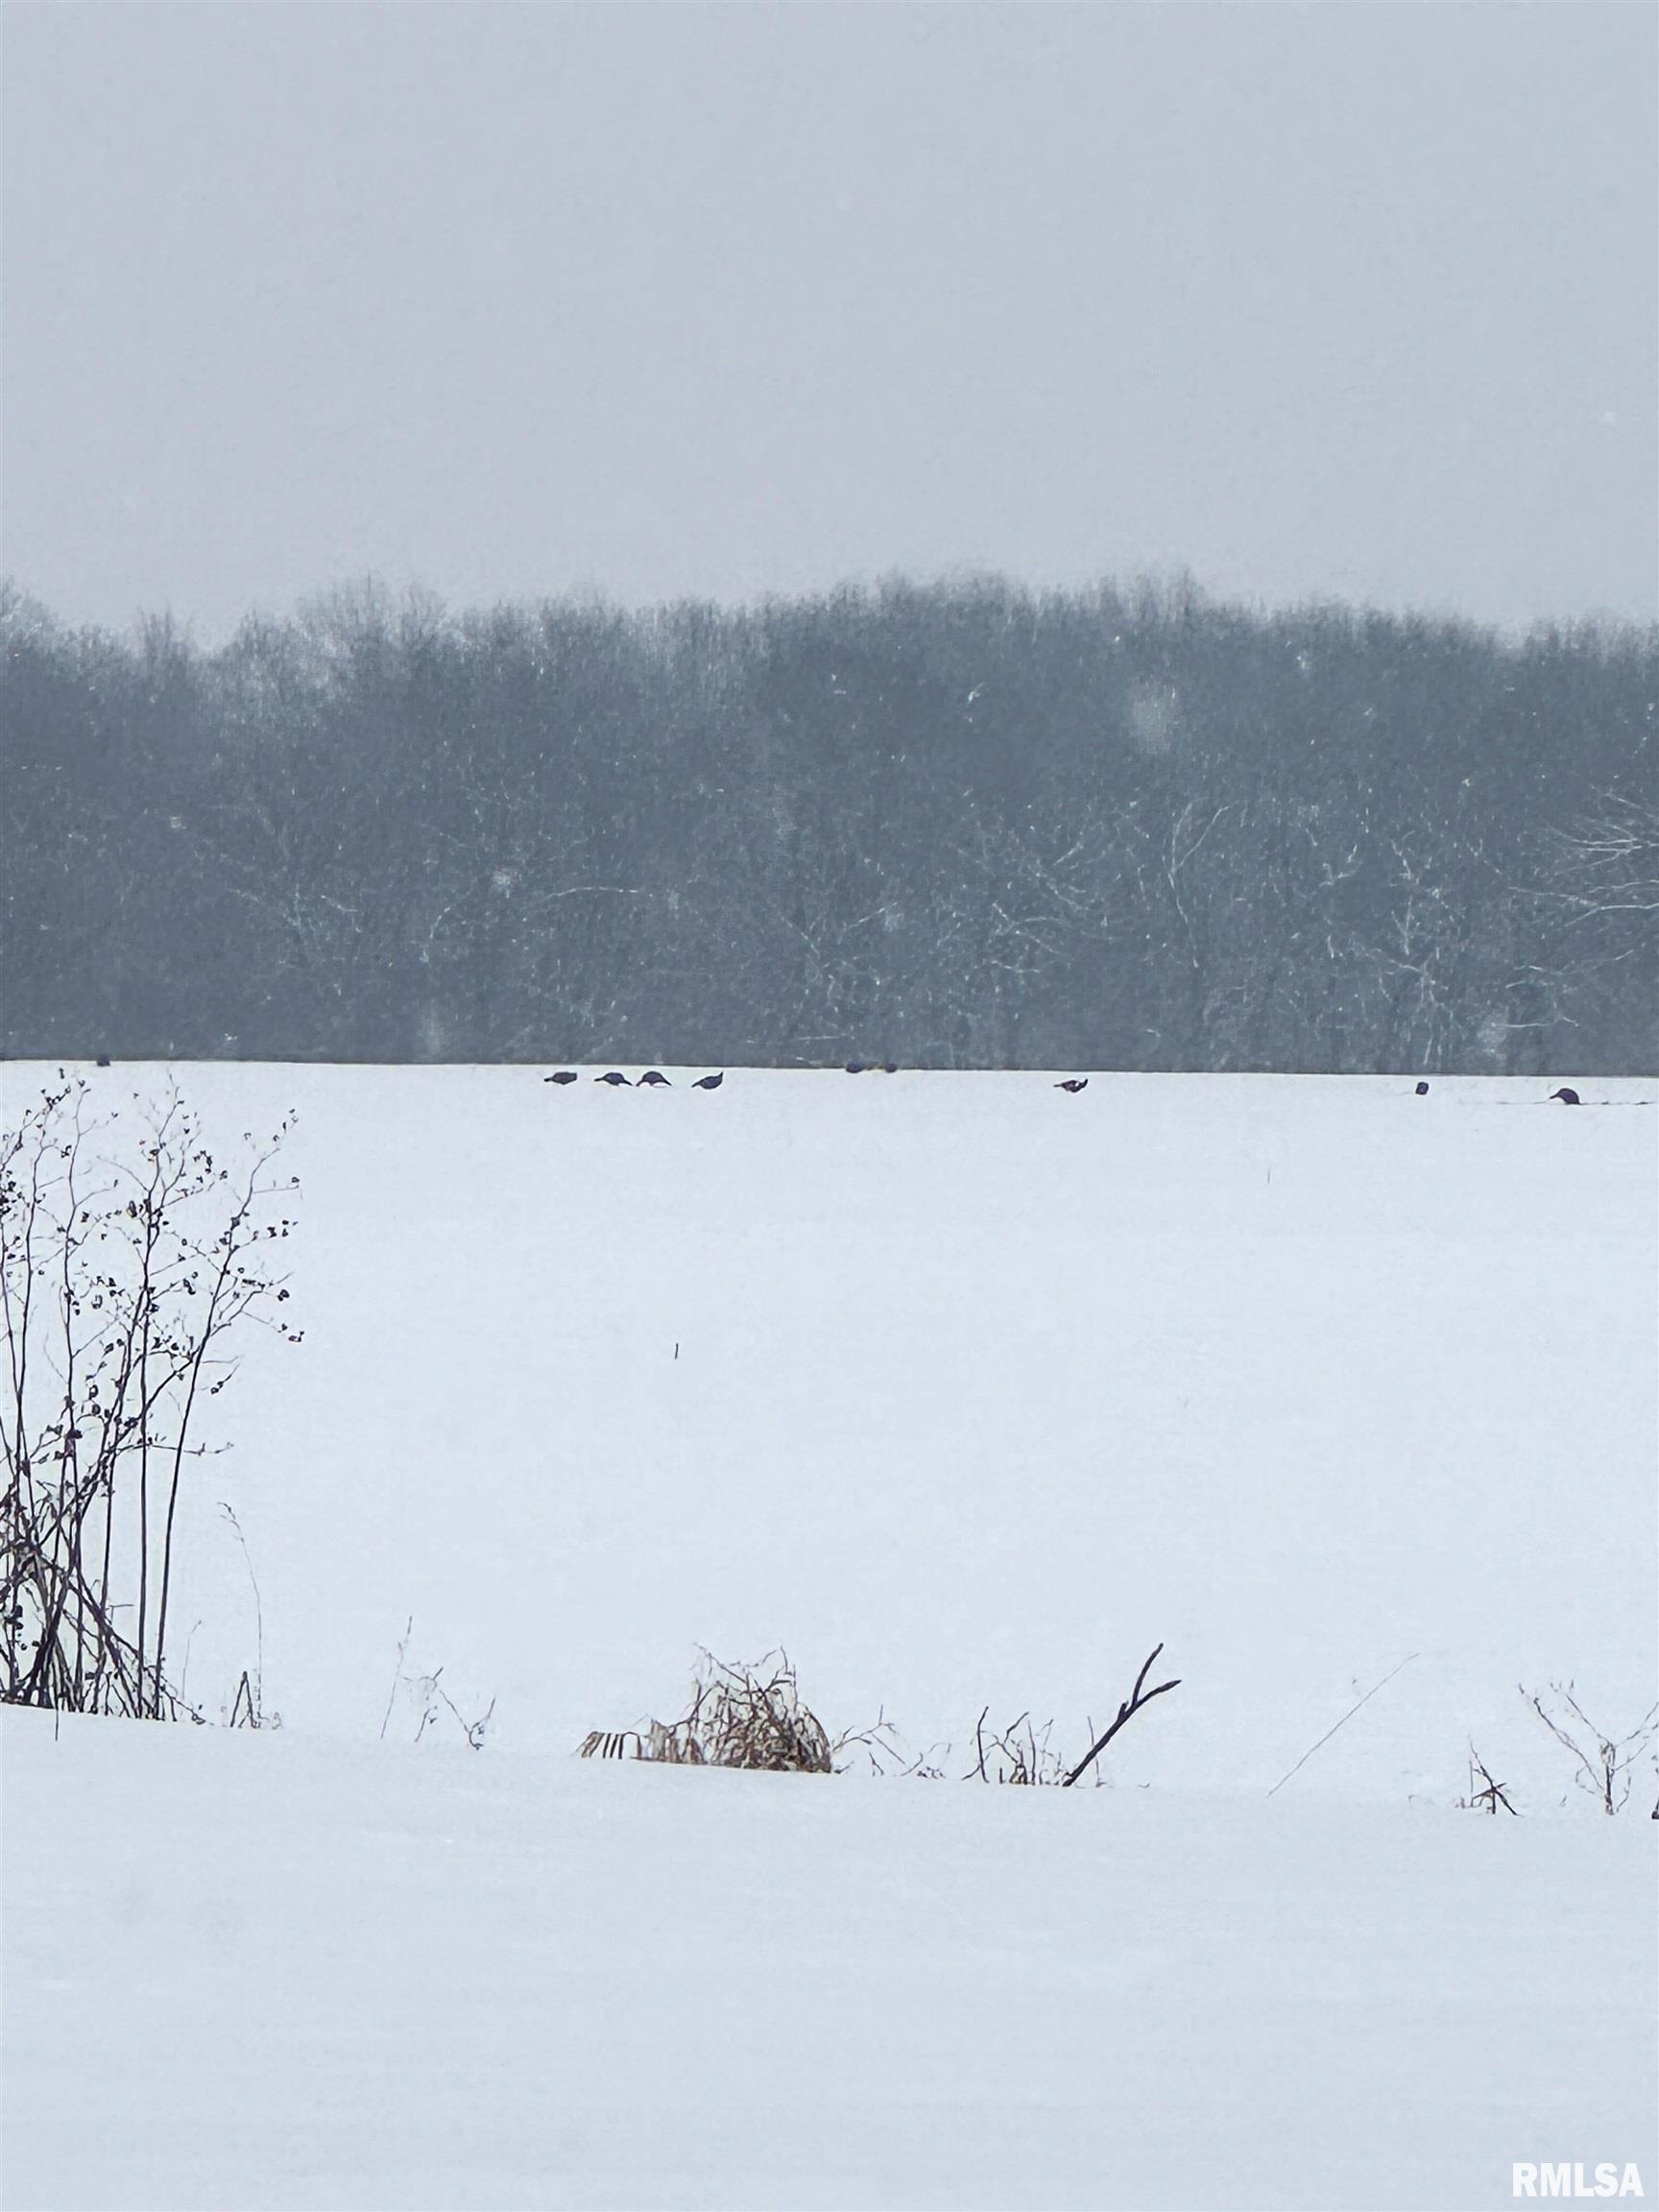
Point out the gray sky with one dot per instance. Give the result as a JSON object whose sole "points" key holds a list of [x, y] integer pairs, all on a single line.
{"points": [[1352, 299]]}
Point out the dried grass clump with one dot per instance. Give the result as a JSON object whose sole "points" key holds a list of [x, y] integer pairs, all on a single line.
{"points": [[740, 1716]]}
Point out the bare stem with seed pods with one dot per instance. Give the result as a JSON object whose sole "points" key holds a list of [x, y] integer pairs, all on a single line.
{"points": [[131, 1257]]}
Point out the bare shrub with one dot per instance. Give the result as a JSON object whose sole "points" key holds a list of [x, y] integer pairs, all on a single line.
{"points": [[130, 1258], [1602, 1762], [885, 1753], [1023, 1761]]}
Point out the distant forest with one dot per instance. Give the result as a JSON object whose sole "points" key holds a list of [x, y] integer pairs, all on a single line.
{"points": [[952, 826]]}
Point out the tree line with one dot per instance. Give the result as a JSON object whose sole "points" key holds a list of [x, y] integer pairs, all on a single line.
{"points": [[955, 824]]}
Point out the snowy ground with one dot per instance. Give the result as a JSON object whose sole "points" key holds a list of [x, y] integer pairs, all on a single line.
{"points": [[249, 1972], [966, 1392]]}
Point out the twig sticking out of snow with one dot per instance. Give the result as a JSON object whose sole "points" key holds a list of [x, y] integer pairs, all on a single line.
{"points": [[392, 1694], [1346, 1718], [1494, 1795], [1126, 1713]]}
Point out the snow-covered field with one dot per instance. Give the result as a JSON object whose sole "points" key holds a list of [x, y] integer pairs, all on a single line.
{"points": [[247, 1972], [968, 1392]]}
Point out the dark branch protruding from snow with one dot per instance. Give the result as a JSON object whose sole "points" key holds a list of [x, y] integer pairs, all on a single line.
{"points": [[1126, 1713]]}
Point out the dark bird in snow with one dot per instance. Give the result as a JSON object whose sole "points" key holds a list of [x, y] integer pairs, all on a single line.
{"points": [[889, 1067], [854, 1066], [103, 1060], [565, 1075], [1567, 1098], [1073, 1084], [653, 1081], [614, 1079], [709, 1082], [1422, 1089]]}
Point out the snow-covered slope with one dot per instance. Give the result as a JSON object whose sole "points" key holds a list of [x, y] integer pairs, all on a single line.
{"points": [[968, 1392]]}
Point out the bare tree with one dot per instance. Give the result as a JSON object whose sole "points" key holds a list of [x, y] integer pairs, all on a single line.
{"points": [[1609, 863]]}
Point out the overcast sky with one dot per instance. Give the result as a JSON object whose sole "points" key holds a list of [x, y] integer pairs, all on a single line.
{"points": [[1352, 299]]}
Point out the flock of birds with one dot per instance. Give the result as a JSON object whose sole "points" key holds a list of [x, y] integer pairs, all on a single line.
{"points": [[653, 1079]]}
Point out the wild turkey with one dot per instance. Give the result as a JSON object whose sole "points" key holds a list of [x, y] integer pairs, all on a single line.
{"points": [[1567, 1098], [709, 1082], [1073, 1084], [652, 1080], [614, 1079], [1422, 1089], [565, 1075]]}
